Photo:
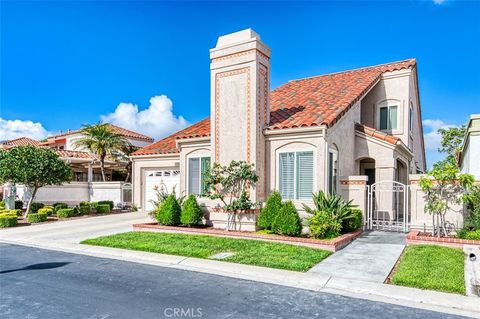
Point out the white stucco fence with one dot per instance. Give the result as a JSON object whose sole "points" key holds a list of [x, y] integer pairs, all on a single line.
{"points": [[76, 192]]}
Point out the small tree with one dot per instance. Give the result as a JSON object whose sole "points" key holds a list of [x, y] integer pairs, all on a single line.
{"points": [[33, 167], [444, 185], [191, 212], [169, 212], [452, 139], [270, 211], [230, 185], [287, 222]]}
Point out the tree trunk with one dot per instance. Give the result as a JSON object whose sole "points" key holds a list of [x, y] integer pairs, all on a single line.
{"points": [[30, 201], [102, 167]]}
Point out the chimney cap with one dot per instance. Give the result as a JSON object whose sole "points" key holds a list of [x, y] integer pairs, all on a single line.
{"points": [[237, 37]]}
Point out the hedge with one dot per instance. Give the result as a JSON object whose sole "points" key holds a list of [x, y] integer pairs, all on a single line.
{"points": [[84, 208], [103, 208], [58, 206], [17, 212], [191, 212], [106, 202], [8, 220], [351, 224], [65, 212], [287, 222], [2, 204], [37, 218], [46, 210], [169, 211], [34, 207]]}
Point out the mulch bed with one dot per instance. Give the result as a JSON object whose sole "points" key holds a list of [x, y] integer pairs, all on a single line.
{"points": [[416, 237], [334, 244]]}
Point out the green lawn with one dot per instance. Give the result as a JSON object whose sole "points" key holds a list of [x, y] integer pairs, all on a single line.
{"points": [[250, 252], [431, 267]]}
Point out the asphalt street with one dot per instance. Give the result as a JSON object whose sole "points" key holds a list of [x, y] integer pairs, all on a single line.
{"points": [[37, 283]]}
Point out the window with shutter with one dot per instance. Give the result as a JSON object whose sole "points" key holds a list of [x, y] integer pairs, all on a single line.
{"points": [[304, 175], [193, 175], [287, 175], [296, 175], [205, 168]]}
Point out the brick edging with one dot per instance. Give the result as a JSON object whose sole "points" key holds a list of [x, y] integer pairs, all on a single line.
{"points": [[331, 244], [413, 237]]}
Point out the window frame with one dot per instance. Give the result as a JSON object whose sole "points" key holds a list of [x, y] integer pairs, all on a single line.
{"points": [[295, 172], [389, 127], [332, 183], [200, 173]]}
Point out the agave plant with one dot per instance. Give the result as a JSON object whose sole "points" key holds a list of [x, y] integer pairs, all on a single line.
{"points": [[333, 205]]}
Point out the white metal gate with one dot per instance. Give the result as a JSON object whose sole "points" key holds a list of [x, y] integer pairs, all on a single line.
{"points": [[387, 206]]}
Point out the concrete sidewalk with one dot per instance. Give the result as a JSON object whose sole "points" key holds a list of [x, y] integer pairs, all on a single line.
{"points": [[65, 236], [371, 257]]}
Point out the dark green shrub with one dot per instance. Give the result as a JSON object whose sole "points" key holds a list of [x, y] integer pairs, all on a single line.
{"points": [[106, 202], [46, 210], [58, 206], [467, 234], [34, 207], [18, 204], [37, 218], [2, 204], [287, 222], [85, 208], [191, 212], [324, 225], [169, 211], [8, 220], [65, 212], [270, 211], [103, 208], [353, 223]]}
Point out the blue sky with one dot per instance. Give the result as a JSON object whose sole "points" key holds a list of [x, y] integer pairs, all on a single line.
{"points": [[64, 63]]}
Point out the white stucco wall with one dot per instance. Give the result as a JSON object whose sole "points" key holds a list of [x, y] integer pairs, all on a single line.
{"points": [[471, 148]]}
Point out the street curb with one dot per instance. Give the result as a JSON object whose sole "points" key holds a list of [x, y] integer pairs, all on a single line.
{"points": [[410, 297]]}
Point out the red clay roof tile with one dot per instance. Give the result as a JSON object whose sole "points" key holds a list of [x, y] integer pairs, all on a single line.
{"points": [[377, 134]]}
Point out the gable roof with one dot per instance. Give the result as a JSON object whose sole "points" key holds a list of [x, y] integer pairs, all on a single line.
{"points": [[74, 154], [117, 129], [314, 101], [168, 145], [21, 141], [377, 134]]}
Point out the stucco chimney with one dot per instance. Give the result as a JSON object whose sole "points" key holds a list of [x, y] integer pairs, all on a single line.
{"points": [[240, 105]]}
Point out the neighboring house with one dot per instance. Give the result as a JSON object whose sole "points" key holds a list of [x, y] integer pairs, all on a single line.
{"points": [[469, 158], [305, 136], [87, 182]]}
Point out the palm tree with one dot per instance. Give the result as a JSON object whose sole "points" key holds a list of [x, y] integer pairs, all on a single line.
{"points": [[102, 141]]}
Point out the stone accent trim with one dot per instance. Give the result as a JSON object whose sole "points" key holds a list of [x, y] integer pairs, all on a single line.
{"points": [[235, 55], [351, 182], [414, 238], [331, 244]]}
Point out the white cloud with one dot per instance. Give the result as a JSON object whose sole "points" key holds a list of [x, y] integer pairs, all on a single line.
{"points": [[439, 2], [432, 138], [156, 121], [12, 129]]}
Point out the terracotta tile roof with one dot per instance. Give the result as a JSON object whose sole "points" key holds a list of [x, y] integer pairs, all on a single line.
{"points": [[21, 141], [377, 134], [74, 154], [320, 100], [168, 144], [117, 129]]}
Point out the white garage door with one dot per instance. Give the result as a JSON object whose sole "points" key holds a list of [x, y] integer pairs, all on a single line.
{"points": [[163, 179]]}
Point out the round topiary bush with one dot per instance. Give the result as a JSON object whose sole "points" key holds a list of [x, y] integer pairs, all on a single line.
{"points": [[37, 218], [191, 212], [287, 222], [8, 220], [84, 208], [46, 210], [106, 202], [103, 208], [169, 212], [58, 206], [353, 223], [270, 211], [65, 213]]}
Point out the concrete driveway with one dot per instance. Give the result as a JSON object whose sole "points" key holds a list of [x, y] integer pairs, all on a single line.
{"points": [[73, 231]]}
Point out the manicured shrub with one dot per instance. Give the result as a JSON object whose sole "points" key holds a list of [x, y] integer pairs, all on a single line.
{"points": [[169, 212], [8, 220], [103, 208], [466, 234], [287, 222], [34, 207], [2, 204], [270, 211], [191, 212], [65, 212], [85, 208], [37, 217], [353, 223], [58, 206], [18, 204], [324, 225], [46, 210], [106, 202], [17, 212]]}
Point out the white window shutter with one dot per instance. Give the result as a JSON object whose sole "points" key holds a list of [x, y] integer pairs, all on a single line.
{"points": [[287, 175], [304, 175], [194, 176]]}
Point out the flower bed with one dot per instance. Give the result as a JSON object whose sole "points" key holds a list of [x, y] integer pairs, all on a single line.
{"points": [[334, 244], [416, 237]]}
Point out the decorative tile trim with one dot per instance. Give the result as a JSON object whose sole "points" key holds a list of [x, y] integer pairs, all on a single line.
{"points": [[238, 54], [347, 182], [414, 237]]}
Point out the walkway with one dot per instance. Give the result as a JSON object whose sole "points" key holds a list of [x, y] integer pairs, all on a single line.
{"points": [[370, 257]]}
